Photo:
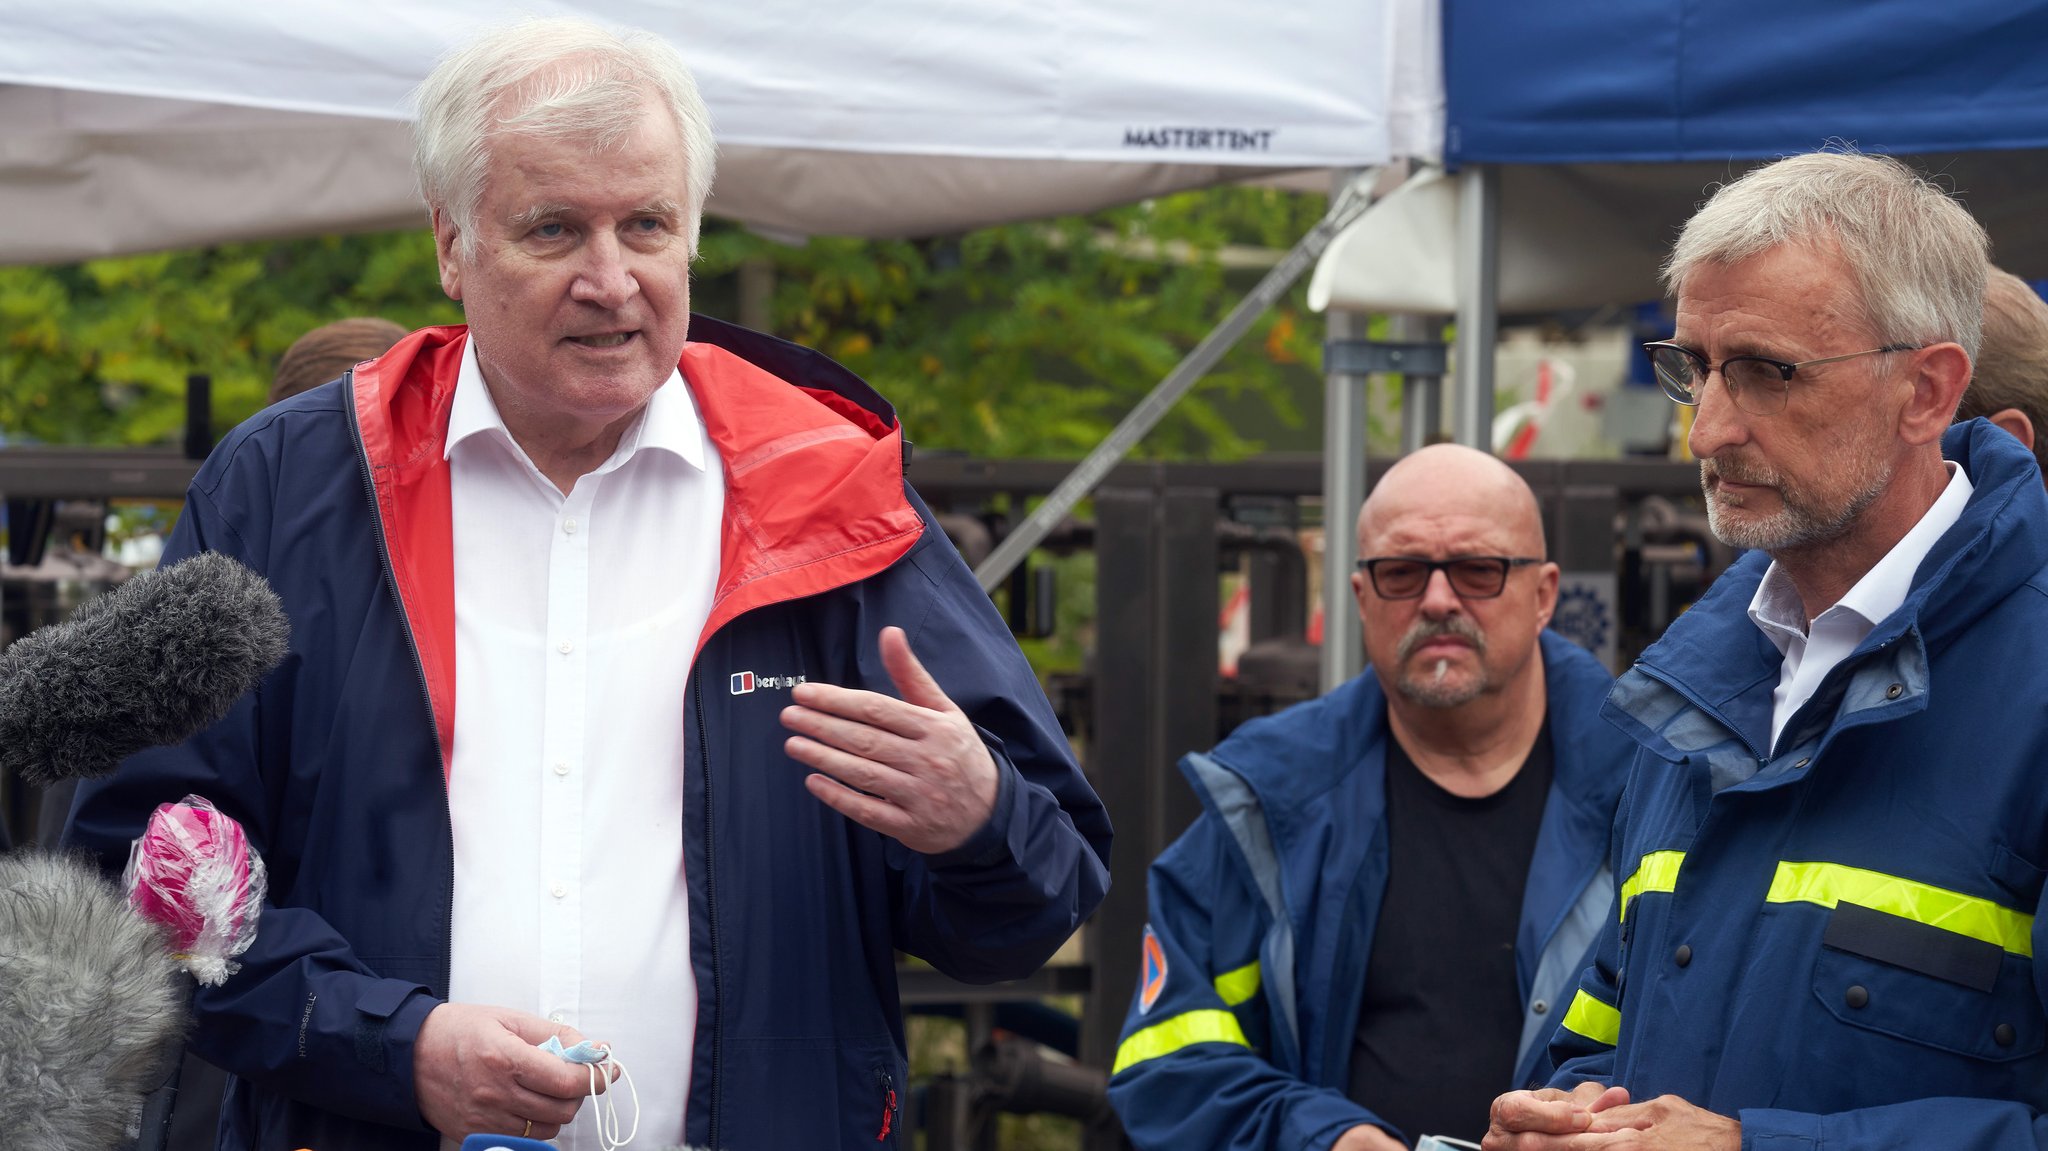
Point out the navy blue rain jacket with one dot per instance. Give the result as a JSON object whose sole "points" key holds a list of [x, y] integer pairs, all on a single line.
{"points": [[1839, 941], [336, 766], [1262, 917]]}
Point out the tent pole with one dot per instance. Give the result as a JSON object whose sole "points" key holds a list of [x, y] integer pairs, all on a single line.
{"points": [[1478, 303], [1422, 393], [1344, 406], [1353, 197]]}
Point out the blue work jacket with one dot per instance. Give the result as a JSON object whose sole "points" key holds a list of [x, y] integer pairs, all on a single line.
{"points": [[1262, 917], [336, 763], [1835, 940]]}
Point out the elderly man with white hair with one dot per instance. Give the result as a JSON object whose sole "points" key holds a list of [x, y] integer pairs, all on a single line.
{"points": [[1834, 837], [632, 693]]}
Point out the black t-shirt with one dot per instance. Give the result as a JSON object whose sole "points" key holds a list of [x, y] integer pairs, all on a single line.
{"points": [[1441, 1016]]}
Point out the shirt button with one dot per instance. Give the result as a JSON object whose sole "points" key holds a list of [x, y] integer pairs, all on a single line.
{"points": [[1541, 1006], [1895, 691], [1683, 955], [2003, 1035], [569, 525], [1856, 996], [559, 890], [561, 768], [554, 1017], [566, 647], [1802, 763]]}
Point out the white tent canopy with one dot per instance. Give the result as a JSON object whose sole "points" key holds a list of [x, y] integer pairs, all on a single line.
{"points": [[131, 125], [1582, 235]]}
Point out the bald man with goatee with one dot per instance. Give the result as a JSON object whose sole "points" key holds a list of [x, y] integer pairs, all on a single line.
{"points": [[1366, 935]]}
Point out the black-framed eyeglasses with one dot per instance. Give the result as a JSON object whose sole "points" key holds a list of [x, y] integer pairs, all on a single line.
{"points": [[1757, 384], [1472, 577]]}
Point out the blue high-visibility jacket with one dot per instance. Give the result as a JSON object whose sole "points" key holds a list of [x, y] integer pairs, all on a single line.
{"points": [[336, 763], [1837, 940], [1262, 917]]}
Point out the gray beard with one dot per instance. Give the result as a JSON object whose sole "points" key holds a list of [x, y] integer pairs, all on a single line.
{"points": [[1794, 525], [1424, 689]]}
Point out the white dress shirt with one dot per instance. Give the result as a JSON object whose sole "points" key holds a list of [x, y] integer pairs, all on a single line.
{"points": [[1811, 652], [576, 618]]}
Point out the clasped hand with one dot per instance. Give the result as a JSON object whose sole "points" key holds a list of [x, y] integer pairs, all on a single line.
{"points": [[1593, 1118]]}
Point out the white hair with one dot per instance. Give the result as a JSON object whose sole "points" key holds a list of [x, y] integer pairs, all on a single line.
{"points": [[558, 78], [1918, 257]]}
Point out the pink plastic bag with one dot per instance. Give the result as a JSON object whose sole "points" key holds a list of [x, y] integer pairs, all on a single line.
{"points": [[193, 874]]}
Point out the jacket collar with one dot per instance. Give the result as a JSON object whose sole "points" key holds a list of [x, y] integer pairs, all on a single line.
{"points": [[1291, 761], [1999, 544], [814, 459]]}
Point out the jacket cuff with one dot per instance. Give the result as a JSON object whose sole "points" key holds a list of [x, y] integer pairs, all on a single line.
{"points": [[387, 1032], [1319, 1119], [1764, 1129], [990, 843]]}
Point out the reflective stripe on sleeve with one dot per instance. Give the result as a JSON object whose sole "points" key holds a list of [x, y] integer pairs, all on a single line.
{"points": [[1593, 1019], [1234, 987], [1171, 1035], [1657, 872], [1827, 884]]}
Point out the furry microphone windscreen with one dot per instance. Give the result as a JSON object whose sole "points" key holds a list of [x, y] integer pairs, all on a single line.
{"points": [[152, 662], [92, 1008]]}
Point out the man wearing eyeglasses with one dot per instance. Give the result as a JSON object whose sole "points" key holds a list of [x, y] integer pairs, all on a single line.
{"points": [[1836, 831], [1383, 910]]}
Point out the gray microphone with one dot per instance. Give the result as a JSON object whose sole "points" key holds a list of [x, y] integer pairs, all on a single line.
{"points": [[152, 662], [93, 1009]]}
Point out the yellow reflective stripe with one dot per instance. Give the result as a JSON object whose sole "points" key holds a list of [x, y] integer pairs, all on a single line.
{"points": [[1234, 987], [1657, 872], [1830, 883], [1170, 1036], [1593, 1019]]}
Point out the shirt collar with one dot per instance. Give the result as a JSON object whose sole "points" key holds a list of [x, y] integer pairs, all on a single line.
{"points": [[668, 423], [1777, 610]]}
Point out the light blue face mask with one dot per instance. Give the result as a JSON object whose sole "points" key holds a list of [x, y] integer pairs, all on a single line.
{"points": [[604, 1107], [584, 1052]]}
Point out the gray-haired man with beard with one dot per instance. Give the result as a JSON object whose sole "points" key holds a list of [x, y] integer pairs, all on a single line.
{"points": [[1833, 923], [1369, 930]]}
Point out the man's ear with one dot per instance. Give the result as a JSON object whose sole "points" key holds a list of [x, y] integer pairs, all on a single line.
{"points": [[2015, 422], [1937, 375], [445, 238], [1546, 594]]}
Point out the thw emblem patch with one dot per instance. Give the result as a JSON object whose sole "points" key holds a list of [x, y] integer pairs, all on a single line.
{"points": [[1153, 980]]}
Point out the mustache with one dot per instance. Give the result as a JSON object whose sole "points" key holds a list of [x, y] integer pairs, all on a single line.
{"points": [[1427, 629], [1736, 469]]}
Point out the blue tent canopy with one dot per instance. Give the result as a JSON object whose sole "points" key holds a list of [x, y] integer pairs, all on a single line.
{"points": [[1598, 81]]}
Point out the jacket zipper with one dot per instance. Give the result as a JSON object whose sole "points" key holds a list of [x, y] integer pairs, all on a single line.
{"points": [[419, 666], [710, 905], [888, 1085]]}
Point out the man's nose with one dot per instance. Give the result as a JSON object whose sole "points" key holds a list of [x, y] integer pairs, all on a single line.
{"points": [[604, 279], [1439, 598], [1717, 424]]}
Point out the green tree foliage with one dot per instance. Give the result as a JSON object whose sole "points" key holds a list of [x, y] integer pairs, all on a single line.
{"points": [[1033, 339], [97, 353], [1025, 339]]}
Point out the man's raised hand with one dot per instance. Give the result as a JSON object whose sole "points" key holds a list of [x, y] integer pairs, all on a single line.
{"points": [[912, 768]]}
